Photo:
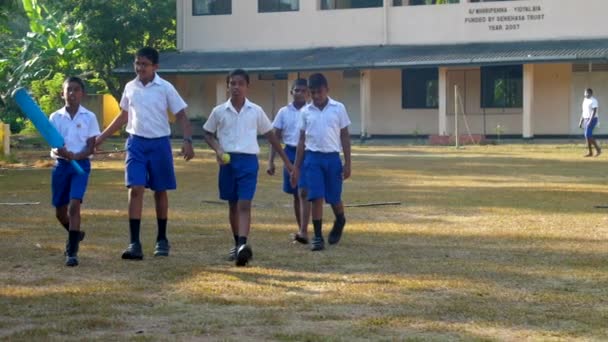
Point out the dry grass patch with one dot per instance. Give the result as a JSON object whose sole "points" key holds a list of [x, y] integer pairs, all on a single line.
{"points": [[490, 243]]}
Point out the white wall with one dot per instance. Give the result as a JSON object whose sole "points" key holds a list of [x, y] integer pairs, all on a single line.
{"points": [[246, 29]]}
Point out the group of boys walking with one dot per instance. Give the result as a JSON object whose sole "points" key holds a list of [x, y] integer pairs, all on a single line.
{"points": [[314, 134]]}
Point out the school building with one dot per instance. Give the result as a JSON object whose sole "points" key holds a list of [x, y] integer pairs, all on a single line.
{"points": [[403, 67]]}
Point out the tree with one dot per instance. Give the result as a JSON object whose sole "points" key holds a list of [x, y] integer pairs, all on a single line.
{"points": [[49, 47], [113, 30]]}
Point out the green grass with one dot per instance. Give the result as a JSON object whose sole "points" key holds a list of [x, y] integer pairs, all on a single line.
{"points": [[490, 243]]}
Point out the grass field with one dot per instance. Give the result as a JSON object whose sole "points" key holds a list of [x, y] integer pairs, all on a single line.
{"points": [[490, 243]]}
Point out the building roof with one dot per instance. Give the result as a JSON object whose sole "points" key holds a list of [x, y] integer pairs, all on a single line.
{"points": [[389, 56]]}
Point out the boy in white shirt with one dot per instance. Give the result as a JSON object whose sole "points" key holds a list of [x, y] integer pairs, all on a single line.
{"points": [[589, 119], [236, 123], [149, 161], [78, 126], [323, 135], [287, 128]]}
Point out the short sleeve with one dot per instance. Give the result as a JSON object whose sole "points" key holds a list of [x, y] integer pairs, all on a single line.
{"points": [[594, 103], [174, 100], [344, 119], [211, 123], [278, 120], [124, 101], [264, 124], [94, 126]]}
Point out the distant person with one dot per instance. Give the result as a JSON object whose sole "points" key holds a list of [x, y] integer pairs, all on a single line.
{"points": [[236, 123], [145, 103], [589, 119], [78, 126], [287, 128]]}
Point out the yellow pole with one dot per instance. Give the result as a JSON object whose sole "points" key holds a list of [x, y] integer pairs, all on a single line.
{"points": [[5, 137]]}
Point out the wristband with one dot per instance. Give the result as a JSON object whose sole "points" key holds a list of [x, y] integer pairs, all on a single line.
{"points": [[188, 139]]}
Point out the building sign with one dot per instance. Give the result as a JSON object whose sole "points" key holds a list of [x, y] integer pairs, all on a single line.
{"points": [[504, 18]]}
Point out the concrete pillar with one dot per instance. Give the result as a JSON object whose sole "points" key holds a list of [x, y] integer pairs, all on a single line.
{"points": [[365, 98], [291, 77], [221, 90], [528, 100], [443, 101]]}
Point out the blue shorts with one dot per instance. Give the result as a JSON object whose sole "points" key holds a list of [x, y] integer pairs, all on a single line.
{"points": [[290, 151], [149, 163], [67, 184], [238, 179], [323, 174], [589, 126]]}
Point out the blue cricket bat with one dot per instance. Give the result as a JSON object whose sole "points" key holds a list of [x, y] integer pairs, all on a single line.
{"points": [[41, 122]]}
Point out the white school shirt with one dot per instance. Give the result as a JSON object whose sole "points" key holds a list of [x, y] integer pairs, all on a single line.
{"points": [[238, 132], [288, 120], [322, 127], [147, 107], [75, 131], [588, 105]]}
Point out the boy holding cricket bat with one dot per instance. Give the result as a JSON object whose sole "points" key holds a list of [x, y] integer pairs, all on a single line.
{"points": [[78, 126]]}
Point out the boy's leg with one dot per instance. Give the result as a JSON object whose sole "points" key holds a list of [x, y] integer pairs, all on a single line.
{"points": [[73, 234], [305, 207], [161, 201], [317, 222], [233, 217], [296, 208], [136, 200], [61, 213], [136, 178], [336, 232], [243, 251]]}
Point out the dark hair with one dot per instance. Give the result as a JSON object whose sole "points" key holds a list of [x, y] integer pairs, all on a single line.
{"points": [[316, 81], [237, 72], [75, 80], [589, 90], [148, 52], [299, 82]]}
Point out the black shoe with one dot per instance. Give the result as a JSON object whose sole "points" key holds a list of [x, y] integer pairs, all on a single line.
{"points": [[243, 255], [317, 244], [336, 232], [232, 254], [67, 242], [71, 261], [133, 252], [162, 248]]}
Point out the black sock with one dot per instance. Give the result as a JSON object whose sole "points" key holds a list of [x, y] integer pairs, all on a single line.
{"points": [[340, 219], [134, 229], [242, 241], [318, 225], [66, 226], [74, 239], [162, 229], [236, 240]]}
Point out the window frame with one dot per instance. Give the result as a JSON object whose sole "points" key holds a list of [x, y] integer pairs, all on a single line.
{"points": [[279, 11], [408, 81], [194, 14], [511, 75], [321, 2]]}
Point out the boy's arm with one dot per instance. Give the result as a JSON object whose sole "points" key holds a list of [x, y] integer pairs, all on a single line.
{"points": [[345, 139], [215, 145], [299, 159], [187, 148], [87, 150], [276, 145], [279, 134], [116, 124]]}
